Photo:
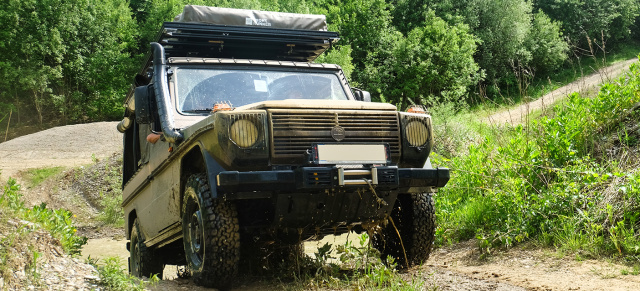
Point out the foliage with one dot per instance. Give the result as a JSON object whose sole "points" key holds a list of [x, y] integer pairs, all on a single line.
{"points": [[502, 45], [114, 278], [592, 18], [550, 181], [68, 59], [509, 34], [340, 55], [58, 222], [434, 64], [111, 199], [544, 41], [112, 213], [364, 26]]}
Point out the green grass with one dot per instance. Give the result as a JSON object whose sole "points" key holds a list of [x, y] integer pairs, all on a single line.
{"points": [[553, 181], [114, 278], [36, 176]]}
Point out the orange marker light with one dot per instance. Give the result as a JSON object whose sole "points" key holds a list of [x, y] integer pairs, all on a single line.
{"points": [[416, 109], [221, 107]]}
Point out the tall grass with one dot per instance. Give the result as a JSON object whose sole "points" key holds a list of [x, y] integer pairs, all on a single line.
{"points": [[552, 181]]}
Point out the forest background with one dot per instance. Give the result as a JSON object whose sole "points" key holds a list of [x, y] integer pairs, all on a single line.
{"points": [[73, 61]]}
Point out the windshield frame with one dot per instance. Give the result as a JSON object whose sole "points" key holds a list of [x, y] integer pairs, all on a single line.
{"points": [[336, 72]]}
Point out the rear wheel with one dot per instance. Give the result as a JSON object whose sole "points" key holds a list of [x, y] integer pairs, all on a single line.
{"points": [[210, 234], [414, 218], [142, 262]]}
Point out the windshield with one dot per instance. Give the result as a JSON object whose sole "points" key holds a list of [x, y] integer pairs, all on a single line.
{"points": [[199, 89]]}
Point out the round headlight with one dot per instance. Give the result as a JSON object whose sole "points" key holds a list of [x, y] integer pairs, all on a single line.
{"points": [[417, 133], [243, 133]]}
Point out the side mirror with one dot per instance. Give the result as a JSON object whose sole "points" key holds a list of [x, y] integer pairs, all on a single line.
{"points": [[144, 104], [362, 95]]}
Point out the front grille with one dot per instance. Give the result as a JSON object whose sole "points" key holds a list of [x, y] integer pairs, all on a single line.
{"points": [[293, 132]]}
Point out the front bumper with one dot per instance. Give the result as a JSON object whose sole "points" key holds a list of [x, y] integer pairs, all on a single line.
{"points": [[308, 179]]}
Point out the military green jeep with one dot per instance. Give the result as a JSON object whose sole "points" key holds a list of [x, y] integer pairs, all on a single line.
{"points": [[234, 141]]}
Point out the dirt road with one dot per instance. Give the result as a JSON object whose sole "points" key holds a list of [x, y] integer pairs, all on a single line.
{"points": [[517, 114]]}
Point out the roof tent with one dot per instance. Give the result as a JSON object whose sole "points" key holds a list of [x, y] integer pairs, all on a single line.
{"points": [[212, 32]]}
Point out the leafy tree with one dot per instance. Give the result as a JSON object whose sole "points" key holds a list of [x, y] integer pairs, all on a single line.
{"points": [[409, 14], [361, 23], [503, 27], [509, 33], [340, 55], [592, 18], [545, 43], [434, 64], [365, 28], [69, 58]]}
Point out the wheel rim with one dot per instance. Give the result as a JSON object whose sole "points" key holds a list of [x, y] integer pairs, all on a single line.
{"points": [[196, 237], [135, 264]]}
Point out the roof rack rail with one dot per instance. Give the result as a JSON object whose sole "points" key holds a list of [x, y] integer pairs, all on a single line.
{"points": [[181, 39]]}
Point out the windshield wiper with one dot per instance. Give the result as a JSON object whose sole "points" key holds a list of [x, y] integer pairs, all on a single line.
{"points": [[204, 110]]}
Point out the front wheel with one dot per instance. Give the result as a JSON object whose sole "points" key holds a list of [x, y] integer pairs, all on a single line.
{"points": [[415, 221], [210, 234]]}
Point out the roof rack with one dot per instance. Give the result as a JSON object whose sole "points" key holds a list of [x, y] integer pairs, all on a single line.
{"points": [[182, 39]]}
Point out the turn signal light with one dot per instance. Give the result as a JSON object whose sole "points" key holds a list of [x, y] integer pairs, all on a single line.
{"points": [[221, 107], [416, 109]]}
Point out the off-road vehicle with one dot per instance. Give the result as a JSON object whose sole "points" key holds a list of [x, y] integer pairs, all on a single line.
{"points": [[235, 141]]}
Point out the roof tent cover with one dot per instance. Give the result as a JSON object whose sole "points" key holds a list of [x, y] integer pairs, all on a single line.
{"points": [[242, 17]]}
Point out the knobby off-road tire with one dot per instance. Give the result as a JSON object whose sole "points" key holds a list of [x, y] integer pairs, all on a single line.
{"points": [[142, 261], [210, 234], [415, 219]]}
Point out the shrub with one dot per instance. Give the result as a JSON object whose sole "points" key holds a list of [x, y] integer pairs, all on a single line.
{"points": [[549, 181]]}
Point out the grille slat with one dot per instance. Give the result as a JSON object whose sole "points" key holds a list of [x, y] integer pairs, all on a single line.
{"points": [[292, 134]]}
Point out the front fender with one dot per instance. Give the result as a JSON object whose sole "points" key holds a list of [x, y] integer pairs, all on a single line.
{"points": [[213, 168]]}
